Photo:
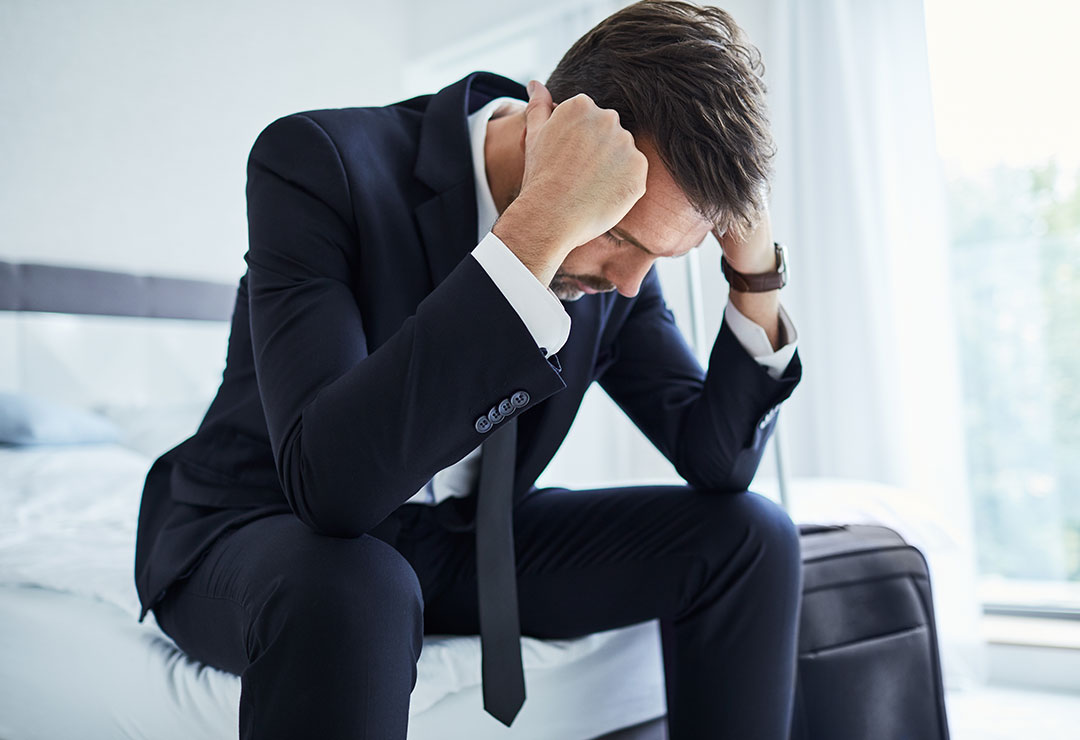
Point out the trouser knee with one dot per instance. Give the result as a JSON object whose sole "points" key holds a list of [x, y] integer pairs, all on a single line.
{"points": [[761, 523], [346, 599]]}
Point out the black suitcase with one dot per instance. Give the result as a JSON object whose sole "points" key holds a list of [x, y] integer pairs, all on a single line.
{"points": [[869, 665]]}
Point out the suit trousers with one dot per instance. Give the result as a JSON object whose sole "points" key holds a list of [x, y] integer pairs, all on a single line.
{"points": [[325, 632]]}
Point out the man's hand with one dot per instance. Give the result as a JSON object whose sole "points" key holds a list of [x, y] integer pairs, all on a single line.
{"points": [[582, 175]]}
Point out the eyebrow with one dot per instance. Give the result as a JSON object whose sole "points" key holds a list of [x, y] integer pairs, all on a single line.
{"points": [[623, 235]]}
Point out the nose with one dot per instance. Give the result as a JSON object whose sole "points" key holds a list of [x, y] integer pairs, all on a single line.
{"points": [[627, 273]]}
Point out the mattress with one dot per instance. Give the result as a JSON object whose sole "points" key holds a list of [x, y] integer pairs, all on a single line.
{"points": [[78, 664]]}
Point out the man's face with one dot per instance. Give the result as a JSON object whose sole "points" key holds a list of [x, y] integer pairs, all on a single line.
{"points": [[662, 223]]}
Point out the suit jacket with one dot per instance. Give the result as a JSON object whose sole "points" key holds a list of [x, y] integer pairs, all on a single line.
{"points": [[366, 342]]}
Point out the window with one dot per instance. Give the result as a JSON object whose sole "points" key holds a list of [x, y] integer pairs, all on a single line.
{"points": [[1007, 119]]}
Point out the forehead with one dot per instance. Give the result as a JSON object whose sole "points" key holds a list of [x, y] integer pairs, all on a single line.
{"points": [[663, 220]]}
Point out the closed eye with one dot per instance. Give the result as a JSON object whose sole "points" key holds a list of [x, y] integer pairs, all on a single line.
{"points": [[619, 241], [614, 238], [623, 242]]}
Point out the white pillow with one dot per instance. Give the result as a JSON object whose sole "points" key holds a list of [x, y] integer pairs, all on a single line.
{"points": [[153, 430], [30, 420]]}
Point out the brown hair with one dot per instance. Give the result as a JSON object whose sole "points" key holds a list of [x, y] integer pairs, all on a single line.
{"points": [[686, 78]]}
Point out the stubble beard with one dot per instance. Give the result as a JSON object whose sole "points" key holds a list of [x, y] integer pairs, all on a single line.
{"points": [[565, 288]]}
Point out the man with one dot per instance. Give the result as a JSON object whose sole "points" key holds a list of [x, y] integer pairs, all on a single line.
{"points": [[426, 276]]}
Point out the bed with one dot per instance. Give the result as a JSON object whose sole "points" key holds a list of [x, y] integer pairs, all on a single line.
{"points": [[78, 665], [115, 369]]}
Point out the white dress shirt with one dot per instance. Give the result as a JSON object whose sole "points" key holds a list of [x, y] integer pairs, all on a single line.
{"points": [[543, 314]]}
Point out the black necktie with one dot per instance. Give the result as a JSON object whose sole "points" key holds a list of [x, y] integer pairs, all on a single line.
{"points": [[496, 576]]}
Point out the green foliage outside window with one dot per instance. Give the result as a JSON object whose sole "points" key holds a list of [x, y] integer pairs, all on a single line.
{"points": [[1015, 252]]}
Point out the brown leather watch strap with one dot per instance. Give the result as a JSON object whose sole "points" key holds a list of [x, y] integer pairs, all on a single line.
{"points": [[758, 282]]}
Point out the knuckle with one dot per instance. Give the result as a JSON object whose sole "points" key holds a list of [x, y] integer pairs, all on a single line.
{"points": [[583, 100]]}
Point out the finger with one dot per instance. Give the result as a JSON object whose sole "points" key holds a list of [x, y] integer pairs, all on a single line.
{"points": [[538, 110]]}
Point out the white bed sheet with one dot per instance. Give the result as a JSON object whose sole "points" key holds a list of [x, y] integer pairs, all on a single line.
{"points": [[77, 663], [82, 669]]}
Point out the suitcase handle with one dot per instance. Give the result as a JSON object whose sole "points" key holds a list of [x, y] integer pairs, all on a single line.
{"points": [[816, 528]]}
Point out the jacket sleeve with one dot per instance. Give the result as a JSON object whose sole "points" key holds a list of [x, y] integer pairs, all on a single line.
{"points": [[712, 426], [355, 432]]}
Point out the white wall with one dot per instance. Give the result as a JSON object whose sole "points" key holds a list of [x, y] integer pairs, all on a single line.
{"points": [[125, 125]]}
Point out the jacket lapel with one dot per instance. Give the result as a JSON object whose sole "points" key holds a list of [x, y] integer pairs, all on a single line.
{"points": [[447, 220]]}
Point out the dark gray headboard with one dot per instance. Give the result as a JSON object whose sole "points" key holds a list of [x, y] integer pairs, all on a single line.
{"points": [[59, 289]]}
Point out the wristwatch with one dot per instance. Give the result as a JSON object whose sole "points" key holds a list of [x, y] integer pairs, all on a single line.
{"points": [[758, 282]]}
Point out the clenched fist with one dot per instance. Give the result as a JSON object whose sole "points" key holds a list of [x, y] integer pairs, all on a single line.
{"points": [[582, 175]]}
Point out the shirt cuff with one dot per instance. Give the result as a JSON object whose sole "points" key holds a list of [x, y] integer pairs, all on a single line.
{"points": [[753, 338], [537, 305]]}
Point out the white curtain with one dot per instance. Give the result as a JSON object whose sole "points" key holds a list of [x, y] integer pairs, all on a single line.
{"points": [[859, 198]]}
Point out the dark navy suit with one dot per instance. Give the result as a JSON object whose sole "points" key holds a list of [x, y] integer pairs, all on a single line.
{"points": [[365, 343]]}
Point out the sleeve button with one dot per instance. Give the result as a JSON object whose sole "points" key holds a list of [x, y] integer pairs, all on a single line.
{"points": [[483, 424], [494, 415], [519, 399], [505, 407]]}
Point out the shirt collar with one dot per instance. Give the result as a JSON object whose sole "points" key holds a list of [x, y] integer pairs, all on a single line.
{"points": [[486, 213]]}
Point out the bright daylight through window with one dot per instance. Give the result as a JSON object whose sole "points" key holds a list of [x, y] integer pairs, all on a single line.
{"points": [[1007, 116]]}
